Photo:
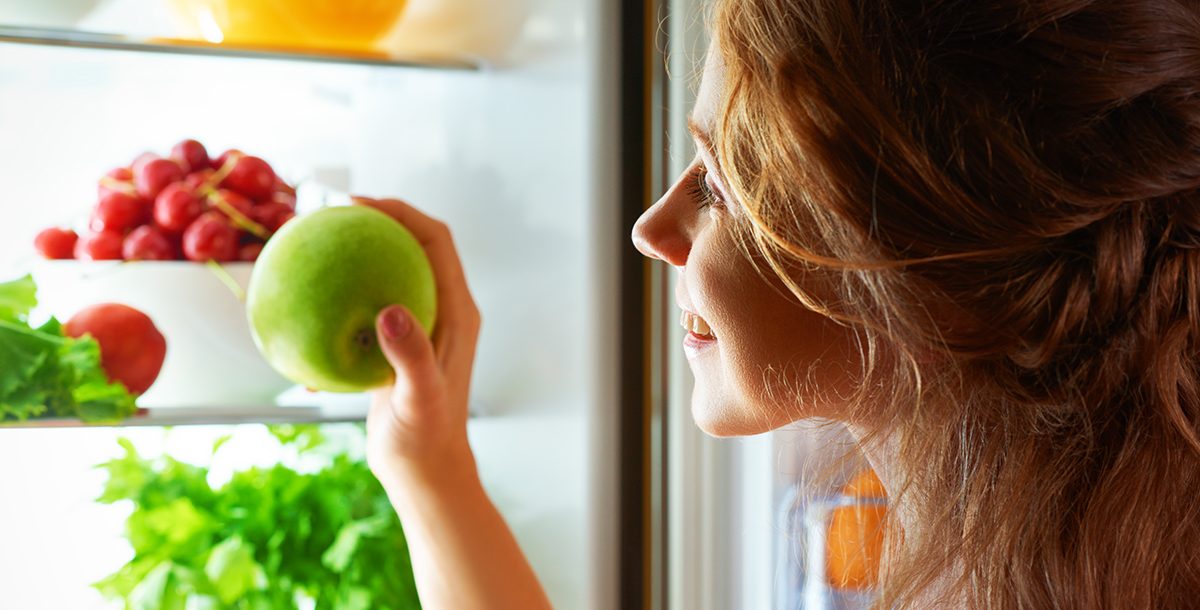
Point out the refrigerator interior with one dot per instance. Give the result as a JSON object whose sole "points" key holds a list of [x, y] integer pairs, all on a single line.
{"points": [[513, 155]]}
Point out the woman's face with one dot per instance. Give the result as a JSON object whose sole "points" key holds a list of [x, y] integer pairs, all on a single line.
{"points": [[760, 359]]}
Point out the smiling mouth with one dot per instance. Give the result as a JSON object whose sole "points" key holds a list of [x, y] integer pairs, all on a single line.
{"points": [[696, 325]]}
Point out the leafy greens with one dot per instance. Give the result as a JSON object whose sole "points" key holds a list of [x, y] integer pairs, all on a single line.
{"points": [[44, 373], [270, 538]]}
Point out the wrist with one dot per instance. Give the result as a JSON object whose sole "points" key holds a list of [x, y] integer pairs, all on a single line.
{"points": [[444, 471]]}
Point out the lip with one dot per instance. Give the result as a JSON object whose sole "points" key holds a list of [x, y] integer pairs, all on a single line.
{"points": [[694, 345]]}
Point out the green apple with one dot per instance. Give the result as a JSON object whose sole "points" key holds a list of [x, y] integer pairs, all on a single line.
{"points": [[318, 286]]}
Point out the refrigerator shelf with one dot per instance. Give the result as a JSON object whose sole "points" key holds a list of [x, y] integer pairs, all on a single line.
{"points": [[93, 40], [200, 416]]}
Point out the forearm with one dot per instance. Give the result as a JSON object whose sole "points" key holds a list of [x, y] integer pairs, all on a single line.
{"points": [[464, 556]]}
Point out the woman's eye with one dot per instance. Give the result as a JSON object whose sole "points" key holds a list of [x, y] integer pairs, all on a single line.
{"points": [[700, 191]]}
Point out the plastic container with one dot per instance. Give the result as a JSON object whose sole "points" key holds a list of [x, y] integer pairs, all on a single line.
{"points": [[804, 553]]}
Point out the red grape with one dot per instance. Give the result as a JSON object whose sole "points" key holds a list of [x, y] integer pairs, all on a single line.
{"points": [[142, 159], [234, 200], [272, 215], [239, 210], [284, 187], [117, 180], [99, 246], [211, 237], [224, 158], [199, 180], [55, 243], [191, 156], [154, 175], [251, 177], [108, 186], [147, 243], [176, 207], [119, 212], [122, 174], [249, 252], [283, 197]]}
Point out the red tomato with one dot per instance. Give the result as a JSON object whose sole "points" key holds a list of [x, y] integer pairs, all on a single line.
{"points": [[132, 349]]}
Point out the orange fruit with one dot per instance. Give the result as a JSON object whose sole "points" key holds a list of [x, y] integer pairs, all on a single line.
{"points": [[854, 542]]}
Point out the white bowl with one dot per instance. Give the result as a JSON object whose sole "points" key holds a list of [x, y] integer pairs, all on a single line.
{"points": [[211, 357]]}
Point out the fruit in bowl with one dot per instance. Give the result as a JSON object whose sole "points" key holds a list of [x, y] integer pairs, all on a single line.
{"points": [[182, 207], [150, 242], [354, 25]]}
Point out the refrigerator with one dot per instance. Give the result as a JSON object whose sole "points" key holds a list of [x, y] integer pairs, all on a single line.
{"points": [[500, 117], [538, 130]]}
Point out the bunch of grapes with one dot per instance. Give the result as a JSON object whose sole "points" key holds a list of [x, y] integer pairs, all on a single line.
{"points": [[185, 206]]}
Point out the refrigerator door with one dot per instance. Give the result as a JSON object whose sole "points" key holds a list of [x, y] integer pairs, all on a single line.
{"points": [[715, 531]]}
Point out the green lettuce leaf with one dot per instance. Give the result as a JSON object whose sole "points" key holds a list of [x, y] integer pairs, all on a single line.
{"points": [[25, 361], [17, 298], [44, 373]]}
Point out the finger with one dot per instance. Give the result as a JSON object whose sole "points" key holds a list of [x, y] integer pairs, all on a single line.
{"points": [[457, 329], [432, 234], [455, 348], [418, 378]]}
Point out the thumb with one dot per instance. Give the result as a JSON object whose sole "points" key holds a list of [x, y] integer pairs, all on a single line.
{"points": [[409, 351]]}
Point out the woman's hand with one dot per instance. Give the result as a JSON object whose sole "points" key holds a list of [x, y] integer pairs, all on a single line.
{"points": [[464, 557], [418, 427]]}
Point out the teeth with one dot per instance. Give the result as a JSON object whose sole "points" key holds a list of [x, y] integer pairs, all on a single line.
{"points": [[695, 324]]}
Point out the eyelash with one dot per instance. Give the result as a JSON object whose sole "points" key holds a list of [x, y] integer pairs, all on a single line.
{"points": [[700, 191]]}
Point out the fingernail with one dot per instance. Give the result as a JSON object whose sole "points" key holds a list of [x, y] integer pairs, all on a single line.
{"points": [[395, 324]]}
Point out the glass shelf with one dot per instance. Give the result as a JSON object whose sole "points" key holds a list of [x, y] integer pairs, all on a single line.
{"points": [[200, 416], [91, 40], [294, 406]]}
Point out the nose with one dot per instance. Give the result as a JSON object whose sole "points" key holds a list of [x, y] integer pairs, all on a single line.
{"points": [[664, 231]]}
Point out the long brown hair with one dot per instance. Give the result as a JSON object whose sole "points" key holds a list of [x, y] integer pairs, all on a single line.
{"points": [[1003, 197]]}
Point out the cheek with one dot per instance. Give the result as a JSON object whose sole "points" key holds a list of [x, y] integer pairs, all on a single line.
{"points": [[778, 361]]}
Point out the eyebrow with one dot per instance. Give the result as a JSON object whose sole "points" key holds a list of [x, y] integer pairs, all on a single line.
{"points": [[701, 136]]}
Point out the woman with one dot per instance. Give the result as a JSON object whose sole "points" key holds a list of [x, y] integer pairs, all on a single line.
{"points": [[970, 230]]}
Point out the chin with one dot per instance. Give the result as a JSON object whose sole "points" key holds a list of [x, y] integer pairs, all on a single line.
{"points": [[724, 419]]}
